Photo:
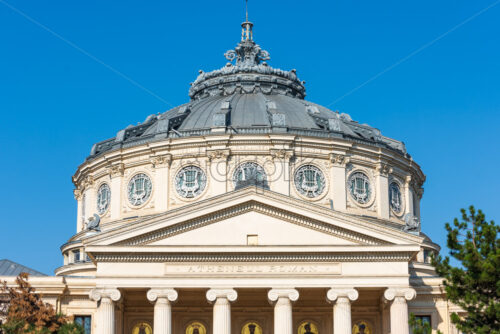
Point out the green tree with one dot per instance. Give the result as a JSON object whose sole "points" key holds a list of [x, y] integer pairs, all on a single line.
{"points": [[26, 313], [475, 284]]}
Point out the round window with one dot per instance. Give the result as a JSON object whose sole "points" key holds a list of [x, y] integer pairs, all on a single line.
{"points": [[103, 198], [360, 188], [249, 173], [190, 181], [139, 189], [309, 181]]}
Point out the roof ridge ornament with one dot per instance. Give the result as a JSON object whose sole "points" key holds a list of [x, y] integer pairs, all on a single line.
{"points": [[247, 53]]}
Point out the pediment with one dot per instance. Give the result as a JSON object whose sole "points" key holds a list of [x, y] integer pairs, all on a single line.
{"points": [[229, 220], [252, 228]]}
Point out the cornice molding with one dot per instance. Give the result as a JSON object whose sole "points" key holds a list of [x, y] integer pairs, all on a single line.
{"points": [[354, 256]]}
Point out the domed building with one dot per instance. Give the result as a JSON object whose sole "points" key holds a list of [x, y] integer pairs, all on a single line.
{"points": [[248, 210]]}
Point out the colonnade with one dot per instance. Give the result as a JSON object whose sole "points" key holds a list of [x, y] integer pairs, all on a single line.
{"points": [[281, 298]]}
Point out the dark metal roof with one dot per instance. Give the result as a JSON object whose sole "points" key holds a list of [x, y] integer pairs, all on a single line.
{"points": [[247, 97], [10, 268]]}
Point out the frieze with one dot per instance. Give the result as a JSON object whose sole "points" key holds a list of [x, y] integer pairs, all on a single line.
{"points": [[246, 269]]}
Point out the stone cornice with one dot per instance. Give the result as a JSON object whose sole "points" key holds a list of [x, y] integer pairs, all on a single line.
{"points": [[400, 256]]}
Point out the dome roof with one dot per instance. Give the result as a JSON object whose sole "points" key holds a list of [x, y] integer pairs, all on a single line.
{"points": [[247, 96]]}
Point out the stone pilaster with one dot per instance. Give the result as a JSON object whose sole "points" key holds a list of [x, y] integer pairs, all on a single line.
{"points": [[161, 164], [282, 299], [399, 308], [106, 308], [116, 175], [382, 184], [280, 180], [218, 171], [162, 309], [341, 299], [338, 192], [222, 309]]}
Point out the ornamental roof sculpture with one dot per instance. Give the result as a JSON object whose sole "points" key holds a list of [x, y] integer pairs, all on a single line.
{"points": [[247, 96]]}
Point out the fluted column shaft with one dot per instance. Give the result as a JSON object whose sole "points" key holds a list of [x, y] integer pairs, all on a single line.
{"points": [[283, 316], [342, 316], [106, 309], [283, 298], [341, 299], [222, 316], [222, 309], [399, 316], [399, 308], [162, 309], [162, 316], [106, 316]]}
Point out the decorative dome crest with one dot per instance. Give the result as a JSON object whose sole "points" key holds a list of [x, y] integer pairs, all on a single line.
{"points": [[247, 54], [249, 74]]}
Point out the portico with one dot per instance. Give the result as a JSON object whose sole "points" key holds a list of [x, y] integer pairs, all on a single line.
{"points": [[227, 310]]}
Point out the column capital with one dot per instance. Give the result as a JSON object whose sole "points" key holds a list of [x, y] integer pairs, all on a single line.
{"points": [[338, 159], [290, 293], [406, 293], [383, 169], [158, 161], [281, 154], [99, 293], [116, 170], [335, 293], [218, 155], [228, 293], [169, 294]]}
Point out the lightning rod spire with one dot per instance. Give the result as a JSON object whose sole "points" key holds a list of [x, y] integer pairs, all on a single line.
{"points": [[246, 31]]}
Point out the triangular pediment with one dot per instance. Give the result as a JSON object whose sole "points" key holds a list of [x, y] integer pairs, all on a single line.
{"points": [[251, 215], [252, 228]]}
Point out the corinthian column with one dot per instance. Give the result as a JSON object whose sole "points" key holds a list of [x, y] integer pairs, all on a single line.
{"points": [[106, 309], [283, 309], [163, 309], [341, 299], [399, 308], [222, 309]]}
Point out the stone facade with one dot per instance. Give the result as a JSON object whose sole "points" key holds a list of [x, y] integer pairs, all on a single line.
{"points": [[250, 230]]}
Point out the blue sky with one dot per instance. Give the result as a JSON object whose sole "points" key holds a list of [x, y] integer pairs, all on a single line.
{"points": [[59, 95]]}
